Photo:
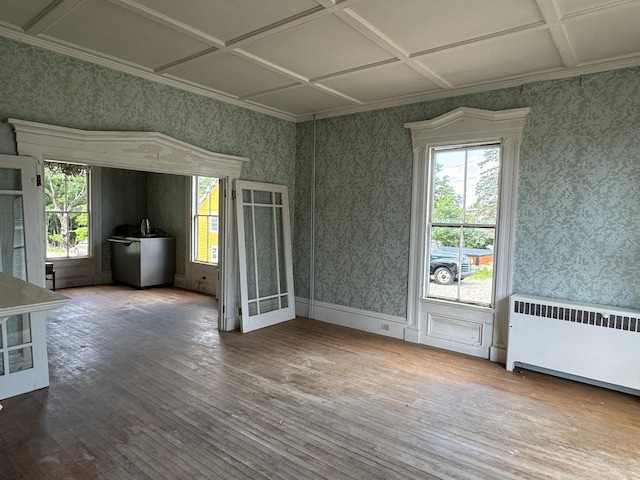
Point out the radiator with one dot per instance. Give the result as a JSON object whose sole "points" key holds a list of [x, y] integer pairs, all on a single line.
{"points": [[591, 343]]}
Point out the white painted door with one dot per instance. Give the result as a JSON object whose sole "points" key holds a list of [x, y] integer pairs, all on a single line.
{"points": [[23, 347], [264, 247]]}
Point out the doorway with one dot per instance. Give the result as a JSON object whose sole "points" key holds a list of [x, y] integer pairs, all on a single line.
{"points": [[145, 152]]}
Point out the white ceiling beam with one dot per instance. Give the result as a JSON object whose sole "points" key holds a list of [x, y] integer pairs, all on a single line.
{"points": [[429, 74], [551, 16], [336, 93], [169, 22], [372, 33], [50, 15], [270, 65]]}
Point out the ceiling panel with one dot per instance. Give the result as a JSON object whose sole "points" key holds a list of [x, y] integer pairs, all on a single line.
{"points": [[618, 33], [229, 73], [417, 25], [108, 29], [225, 19], [495, 59], [389, 81], [320, 47], [301, 100], [19, 12]]}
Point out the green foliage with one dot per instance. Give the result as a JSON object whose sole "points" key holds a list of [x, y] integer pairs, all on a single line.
{"points": [[66, 205], [483, 273]]}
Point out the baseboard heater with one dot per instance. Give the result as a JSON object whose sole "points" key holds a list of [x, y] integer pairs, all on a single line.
{"points": [[590, 343]]}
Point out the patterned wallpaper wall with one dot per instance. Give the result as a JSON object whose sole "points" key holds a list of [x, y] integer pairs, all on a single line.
{"points": [[43, 86], [578, 232]]}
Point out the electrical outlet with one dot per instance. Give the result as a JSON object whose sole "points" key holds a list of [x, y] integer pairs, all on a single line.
{"points": [[384, 326]]}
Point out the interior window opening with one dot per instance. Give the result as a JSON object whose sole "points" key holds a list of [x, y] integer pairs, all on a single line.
{"points": [[67, 209], [462, 223], [206, 217]]}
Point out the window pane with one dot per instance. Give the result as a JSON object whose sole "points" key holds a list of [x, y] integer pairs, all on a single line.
{"points": [[251, 262], [12, 246], [18, 330], [20, 359], [478, 288], [483, 168], [269, 305], [281, 254], [448, 186], [265, 259], [10, 179], [446, 263], [260, 196]]}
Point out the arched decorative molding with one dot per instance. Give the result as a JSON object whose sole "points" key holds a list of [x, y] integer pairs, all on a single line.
{"points": [[147, 152], [459, 127]]}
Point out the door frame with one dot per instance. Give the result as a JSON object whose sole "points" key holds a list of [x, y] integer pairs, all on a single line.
{"points": [[465, 126], [147, 152]]}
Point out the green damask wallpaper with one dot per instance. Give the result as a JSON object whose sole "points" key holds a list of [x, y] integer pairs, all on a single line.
{"points": [[579, 186], [578, 233]]}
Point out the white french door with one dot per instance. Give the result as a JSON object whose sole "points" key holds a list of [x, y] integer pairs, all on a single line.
{"points": [[264, 251], [23, 348]]}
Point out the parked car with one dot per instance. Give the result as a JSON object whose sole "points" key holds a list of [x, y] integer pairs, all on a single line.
{"points": [[447, 266]]}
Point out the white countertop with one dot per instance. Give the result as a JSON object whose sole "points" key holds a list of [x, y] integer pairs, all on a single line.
{"points": [[18, 296]]}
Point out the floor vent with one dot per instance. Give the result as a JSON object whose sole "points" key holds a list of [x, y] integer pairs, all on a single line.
{"points": [[591, 343]]}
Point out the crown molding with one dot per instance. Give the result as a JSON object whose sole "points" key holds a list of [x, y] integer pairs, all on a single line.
{"points": [[136, 70], [148, 74]]}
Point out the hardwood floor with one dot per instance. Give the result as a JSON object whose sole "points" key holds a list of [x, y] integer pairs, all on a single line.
{"points": [[143, 386]]}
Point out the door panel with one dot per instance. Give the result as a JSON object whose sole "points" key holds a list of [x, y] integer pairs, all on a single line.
{"points": [[264, 246], [23, 349]]}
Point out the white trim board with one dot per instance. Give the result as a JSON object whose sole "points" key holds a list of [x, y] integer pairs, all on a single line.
{"points": [[365, 320]]}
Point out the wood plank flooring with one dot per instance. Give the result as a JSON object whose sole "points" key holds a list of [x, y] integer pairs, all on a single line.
{"points": [[144, 387]]}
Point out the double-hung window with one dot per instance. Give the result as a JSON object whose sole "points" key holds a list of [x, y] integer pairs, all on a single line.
{"points": [[462, 222], [206, 216], [67, 209]]}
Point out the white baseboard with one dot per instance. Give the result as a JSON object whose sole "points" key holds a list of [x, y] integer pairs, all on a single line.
{"points": [[180, 281], [498, 354], [373, 322]]}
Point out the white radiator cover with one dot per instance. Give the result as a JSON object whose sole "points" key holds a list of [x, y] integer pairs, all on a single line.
{"points": [[592, 343]]}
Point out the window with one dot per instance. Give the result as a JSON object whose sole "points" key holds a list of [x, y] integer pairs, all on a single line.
{"points": [[461, 228], [66, 187], [205, 207]]}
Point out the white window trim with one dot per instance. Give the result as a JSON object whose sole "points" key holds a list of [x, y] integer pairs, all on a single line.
{"points": [[93, 201], [464, 126], [147, 152]]}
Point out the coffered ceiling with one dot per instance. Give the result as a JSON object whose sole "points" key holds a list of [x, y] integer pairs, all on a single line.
{"points": [[296, 58]]}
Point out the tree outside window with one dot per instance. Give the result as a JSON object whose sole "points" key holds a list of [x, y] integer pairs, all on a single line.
{"points": [[66, 187]]}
